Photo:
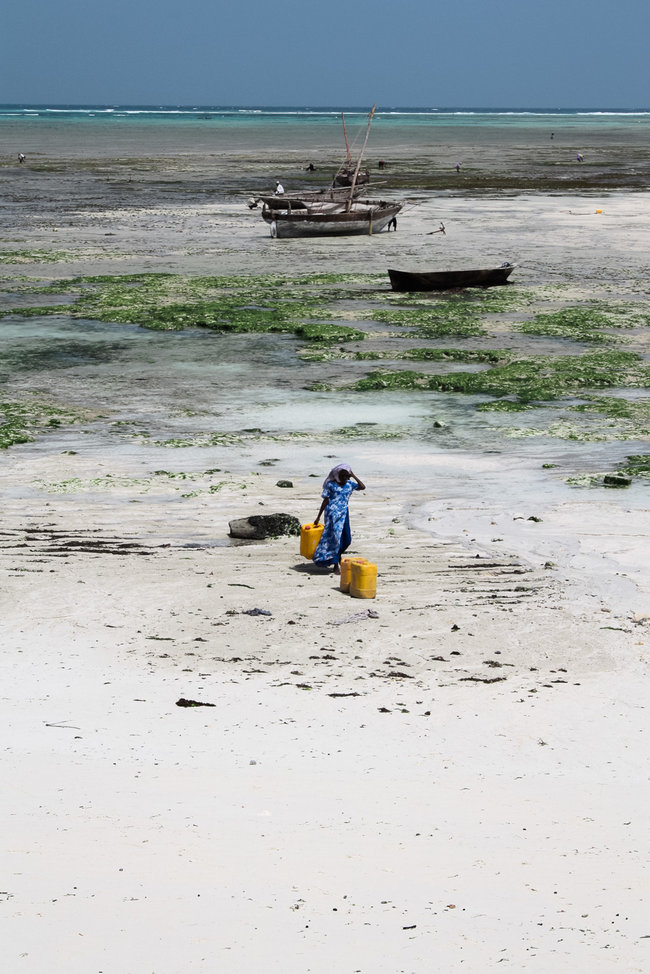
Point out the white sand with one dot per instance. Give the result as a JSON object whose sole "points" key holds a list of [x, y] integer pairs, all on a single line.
{"points": [[430, 820]]}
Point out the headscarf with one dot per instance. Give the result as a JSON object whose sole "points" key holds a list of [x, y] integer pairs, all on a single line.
{"points": [[335, 473]]}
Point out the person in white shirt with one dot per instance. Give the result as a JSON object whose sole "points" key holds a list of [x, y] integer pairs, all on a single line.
{"points": [[279, 188]]}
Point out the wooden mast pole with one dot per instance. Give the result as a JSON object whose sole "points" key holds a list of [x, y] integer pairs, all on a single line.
{"points": [[358, 165], [345, 136]]}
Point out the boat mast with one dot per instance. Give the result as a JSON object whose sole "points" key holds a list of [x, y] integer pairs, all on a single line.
{"points": [[360, 159], [345, 136]]}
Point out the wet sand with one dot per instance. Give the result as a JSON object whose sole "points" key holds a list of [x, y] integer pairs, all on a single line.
{"points": [[459, 774]]}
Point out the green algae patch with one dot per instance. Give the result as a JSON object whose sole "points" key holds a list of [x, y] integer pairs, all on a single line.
{"points": [[35, 256], [581, 324], [469, 355], [303, 307], [224, 316], [452, 355], [528, 380], [448, 318], [504, 406], [22, 422], [368, 430], [42, 310], [636, 465], [564, 430], [200, 440], [161, 479], [636, 411], [76, 485], [325, 332]]}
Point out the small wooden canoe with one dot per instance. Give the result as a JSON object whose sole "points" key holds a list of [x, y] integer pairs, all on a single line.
{"points": [[448, 280], [345, 176]]}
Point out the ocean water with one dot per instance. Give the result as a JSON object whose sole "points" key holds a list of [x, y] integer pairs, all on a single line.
{"points": [[248, 128], [232, 116]]}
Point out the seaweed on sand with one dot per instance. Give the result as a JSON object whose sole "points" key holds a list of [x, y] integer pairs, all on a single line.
{"points": [[527, 379], [20, 421]]}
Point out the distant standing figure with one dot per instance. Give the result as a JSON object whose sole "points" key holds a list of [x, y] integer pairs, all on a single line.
{"points": [[392, 225], [336, 537], [457, 167], [381, 164], [580, 157], [21, 157], [310, 168], [279, 188]]}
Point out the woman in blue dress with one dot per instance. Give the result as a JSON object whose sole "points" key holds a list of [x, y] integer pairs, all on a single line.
{"points": [[336, 537]]}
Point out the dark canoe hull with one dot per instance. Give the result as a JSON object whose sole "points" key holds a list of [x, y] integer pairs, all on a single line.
{"points": [[448, 280], [312, 221]]}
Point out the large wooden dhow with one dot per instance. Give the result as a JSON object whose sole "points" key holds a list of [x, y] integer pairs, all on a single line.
{"points": [[306, 218], [331, 214]]}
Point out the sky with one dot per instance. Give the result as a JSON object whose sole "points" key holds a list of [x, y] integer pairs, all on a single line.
{"points": [[404, 53]]}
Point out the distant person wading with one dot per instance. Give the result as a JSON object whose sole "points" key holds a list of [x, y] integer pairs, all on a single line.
{"points": [[336, 538]]}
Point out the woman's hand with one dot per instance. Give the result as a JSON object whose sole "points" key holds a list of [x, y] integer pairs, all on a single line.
{"points": [[322, 508]]}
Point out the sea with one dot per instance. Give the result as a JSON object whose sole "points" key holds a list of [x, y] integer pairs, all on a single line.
{"points": [[256, 120], [255, 115], [253, 131]]}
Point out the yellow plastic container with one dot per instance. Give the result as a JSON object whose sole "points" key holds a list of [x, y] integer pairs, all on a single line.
{"points": [[309, 538], [346, 572], [363, 581]]}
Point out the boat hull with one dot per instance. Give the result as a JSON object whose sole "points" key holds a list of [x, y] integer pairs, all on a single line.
{"points": [[448, 280], [345, 177], [309, 222]]}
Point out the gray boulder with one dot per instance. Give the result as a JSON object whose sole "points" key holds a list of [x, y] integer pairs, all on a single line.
{"points": [[257, 527]]}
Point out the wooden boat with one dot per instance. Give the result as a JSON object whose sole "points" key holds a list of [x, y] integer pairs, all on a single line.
{"points": [[448, 280], [297, 200], [310, 219], [345, 176]]}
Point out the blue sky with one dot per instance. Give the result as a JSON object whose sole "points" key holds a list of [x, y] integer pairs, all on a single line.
{"points": [[420, 53]]}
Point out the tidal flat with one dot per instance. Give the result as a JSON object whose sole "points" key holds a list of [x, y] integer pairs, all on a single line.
{"points": [[526, 348]]}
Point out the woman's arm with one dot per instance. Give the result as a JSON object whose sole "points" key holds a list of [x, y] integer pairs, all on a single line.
{"points": [[360, 483], [322, 508]]}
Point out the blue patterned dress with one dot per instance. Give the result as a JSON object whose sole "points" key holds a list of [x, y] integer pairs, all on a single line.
{"points": [[336, 536]]}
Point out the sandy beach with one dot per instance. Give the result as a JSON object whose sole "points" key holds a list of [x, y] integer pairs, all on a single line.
{"points": [[450, 776]]}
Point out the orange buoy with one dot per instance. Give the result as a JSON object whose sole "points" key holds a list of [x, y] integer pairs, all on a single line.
{"points": [[363, 580], [346, 571], [309, 538]]}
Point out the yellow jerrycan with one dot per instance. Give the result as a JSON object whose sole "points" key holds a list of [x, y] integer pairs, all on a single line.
{"points": [[363, 580], [309, 538], [346, 572]]}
